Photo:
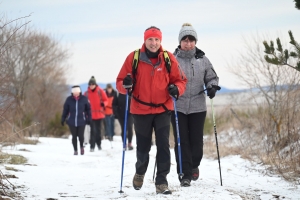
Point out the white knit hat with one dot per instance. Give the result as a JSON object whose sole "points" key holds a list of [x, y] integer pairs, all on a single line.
{"points": [[187, 29], [75, 89]]}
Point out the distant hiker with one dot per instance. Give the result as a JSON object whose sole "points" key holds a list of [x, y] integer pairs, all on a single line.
{"points": [[151, 103], [77, 113], [191, 106], [119, 108], [98, 100], [109, 115]]}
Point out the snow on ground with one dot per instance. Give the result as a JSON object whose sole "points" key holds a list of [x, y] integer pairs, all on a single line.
{"points": [[56, 173]]}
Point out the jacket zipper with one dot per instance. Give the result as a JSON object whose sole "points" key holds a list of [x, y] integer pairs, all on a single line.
{"points": [[76, 113]]}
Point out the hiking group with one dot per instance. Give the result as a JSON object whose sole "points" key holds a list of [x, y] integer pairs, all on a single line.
{"points": [[156, 88], [96, 106]]}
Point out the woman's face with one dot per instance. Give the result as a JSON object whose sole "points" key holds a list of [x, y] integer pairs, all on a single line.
{"points": [[187, 44], [76, 94], [109, 90]]}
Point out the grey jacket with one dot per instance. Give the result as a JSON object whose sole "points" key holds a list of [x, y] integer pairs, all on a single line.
{"points": [[199, 73]]}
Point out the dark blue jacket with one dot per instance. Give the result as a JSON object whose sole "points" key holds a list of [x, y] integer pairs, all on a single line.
{"points": [[76, 112]]}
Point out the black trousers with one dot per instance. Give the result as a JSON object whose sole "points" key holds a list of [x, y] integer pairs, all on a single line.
{"points": [[191, 141], [96, 132], [143, 125], [77, 132], [129, 128]]}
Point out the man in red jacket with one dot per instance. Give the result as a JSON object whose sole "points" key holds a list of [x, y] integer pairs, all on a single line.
{"points": [[98, 100], [151, 104]]}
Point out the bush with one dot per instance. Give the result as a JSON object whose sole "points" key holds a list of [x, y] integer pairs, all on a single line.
{"points": [[55, 128]]}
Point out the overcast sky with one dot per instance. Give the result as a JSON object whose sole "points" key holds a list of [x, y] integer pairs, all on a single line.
{"points": [[100, 34]]}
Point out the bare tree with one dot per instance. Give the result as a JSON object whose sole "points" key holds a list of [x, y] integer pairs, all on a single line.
{"points": [[8, 30], [274, 135], [37, 67]]}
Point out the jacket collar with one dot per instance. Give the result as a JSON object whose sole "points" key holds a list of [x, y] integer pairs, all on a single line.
{"points": [[197, 53]]}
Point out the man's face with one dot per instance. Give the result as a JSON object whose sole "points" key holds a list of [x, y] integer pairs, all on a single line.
{"points": [[152, 44]]}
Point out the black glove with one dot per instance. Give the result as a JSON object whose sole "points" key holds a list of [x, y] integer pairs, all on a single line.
{"points": [[127, 82], [173, 91], [102, 104], [62, 122], [211, 92]]}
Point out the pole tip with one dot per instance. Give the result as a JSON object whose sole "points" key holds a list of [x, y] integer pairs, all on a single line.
{"points": [[121, 191]]}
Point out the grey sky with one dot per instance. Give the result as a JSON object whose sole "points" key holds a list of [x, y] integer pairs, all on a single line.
{"points": [[100, 34]]}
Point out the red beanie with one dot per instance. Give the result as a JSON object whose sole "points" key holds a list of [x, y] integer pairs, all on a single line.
{"points": [[152, 32]]}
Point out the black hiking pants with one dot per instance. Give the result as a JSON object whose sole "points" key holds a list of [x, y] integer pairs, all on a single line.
{"points": [[96, 132], [77, 132], [143, 125], [191, 141]]}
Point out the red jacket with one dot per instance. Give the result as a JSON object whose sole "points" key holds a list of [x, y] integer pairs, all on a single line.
{"points": [[95, 98], [152, 82]]}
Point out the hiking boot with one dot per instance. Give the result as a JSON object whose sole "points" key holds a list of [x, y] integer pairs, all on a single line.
{"points": [[138, 181], [195, 174], [185, 183], [75, 153], [162, 189], [81, 150], [92, 150], [99, 147], [130, 147]]}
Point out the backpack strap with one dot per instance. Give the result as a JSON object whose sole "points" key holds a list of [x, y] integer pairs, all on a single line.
{"points": [[135, 62], [100, 95], [167, 61]]}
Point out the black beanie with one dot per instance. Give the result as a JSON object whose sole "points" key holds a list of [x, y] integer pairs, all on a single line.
{"points": [[92, 81]]}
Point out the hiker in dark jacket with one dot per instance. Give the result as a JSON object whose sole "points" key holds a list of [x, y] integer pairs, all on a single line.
{"points": [[191, 106], [77, 113], [119, 108]]}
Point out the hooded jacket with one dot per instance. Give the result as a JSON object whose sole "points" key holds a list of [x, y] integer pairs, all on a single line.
{"points": [[152, 82], [199, 72]]}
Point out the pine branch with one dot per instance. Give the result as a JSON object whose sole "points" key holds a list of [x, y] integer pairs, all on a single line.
{"points": [[297, 4], [267, 47], [283, 56], [279, 45]]}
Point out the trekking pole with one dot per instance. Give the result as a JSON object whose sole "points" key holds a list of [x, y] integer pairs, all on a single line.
{"points": [[154, 169], [111, 144], [178, 138], [124, 136], [215, 129]]}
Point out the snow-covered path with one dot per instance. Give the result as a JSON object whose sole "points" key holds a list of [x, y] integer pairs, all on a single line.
{"points": [[56, 173]]}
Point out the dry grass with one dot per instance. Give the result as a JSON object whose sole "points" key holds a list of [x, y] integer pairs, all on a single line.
{"points": [[12, 159]]}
